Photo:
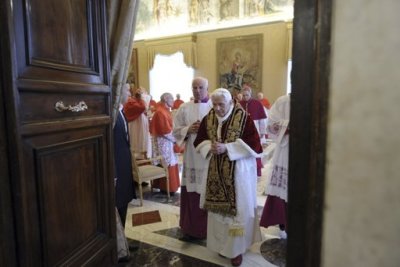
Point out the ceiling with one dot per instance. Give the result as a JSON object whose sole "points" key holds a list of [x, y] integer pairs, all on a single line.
{"points": [[162, 18]]}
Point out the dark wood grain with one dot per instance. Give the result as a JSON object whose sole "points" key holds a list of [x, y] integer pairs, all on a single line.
{"points": [[308, 123], [58, 187]]}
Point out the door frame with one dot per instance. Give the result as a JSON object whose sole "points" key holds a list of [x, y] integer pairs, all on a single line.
{"points": [[8, 255], [308, 130]]}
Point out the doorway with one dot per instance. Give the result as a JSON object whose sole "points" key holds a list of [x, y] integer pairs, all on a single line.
{"points": [[309, 94], [308, 123]]}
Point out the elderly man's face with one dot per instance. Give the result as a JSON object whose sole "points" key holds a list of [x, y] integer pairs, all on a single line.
{"points": [[199, 89], [246, 95], [220, 105]]}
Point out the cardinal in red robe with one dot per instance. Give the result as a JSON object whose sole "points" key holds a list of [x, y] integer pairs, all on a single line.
{"points": [[178, 102], [161, 129], [264, 101]]}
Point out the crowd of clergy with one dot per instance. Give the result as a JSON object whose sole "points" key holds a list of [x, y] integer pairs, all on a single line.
{"points": [[220, 136]]}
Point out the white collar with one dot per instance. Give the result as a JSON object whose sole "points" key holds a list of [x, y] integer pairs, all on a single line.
{"points": [[222, 119]]}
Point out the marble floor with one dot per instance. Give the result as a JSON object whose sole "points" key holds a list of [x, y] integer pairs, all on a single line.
{"points": [[159, 243]]}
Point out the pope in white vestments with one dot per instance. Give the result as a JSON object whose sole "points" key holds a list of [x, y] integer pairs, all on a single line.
{"points": [[229, 141]]}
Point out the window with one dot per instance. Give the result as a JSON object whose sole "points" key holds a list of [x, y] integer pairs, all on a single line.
{"points": [[289, 80], [170, 74]]}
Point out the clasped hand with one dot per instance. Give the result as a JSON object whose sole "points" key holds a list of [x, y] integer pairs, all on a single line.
{"points": [[218, 148]]}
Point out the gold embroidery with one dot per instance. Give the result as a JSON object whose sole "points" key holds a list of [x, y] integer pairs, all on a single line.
{"points": [[220, 190], [236, 231]]}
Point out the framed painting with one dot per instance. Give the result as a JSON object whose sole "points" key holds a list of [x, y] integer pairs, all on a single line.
{"points": [[133, 74], [239, 61]]}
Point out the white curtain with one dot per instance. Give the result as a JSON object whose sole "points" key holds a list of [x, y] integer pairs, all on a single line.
{"points": [[121, 30]]}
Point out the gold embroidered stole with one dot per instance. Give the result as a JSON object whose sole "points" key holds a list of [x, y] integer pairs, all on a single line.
{"points": [[220, 189]]}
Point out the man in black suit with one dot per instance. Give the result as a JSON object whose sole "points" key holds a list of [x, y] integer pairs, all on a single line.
{"points": [[124, 188]]}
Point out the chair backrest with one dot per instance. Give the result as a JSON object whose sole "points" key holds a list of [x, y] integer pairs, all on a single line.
{"points": [[137, 163], [135, 169], [146, 170]]}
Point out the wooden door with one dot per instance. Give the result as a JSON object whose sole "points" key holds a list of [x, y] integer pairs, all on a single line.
{"points": [[55, 84]]}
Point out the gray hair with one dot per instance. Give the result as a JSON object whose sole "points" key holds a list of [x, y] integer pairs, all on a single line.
{"points": [[222, 92], [202, 79], [164, 95]]}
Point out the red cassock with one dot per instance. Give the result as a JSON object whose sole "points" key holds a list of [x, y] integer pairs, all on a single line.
{"points": [[254, 108], [265, 103], [177, 103], [152, 104], [161, 125], [257, 112], [133, 108], [274, 212]]}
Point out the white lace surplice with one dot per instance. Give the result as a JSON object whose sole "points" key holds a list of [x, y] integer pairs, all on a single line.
{"points": [[139, 135], [194, 166], [278, 122], [164, 146]]}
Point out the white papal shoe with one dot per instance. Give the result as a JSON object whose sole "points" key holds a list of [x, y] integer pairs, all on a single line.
{"points": [[282, 234]]}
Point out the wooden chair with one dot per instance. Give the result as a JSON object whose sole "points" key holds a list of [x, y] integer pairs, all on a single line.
{"points": [[144, 170]]}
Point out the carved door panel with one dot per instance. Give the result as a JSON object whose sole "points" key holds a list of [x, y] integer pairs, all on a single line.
{"points": [[59, 123]]}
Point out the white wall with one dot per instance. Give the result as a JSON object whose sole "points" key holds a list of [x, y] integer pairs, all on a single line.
{"points": [[362, 211]]}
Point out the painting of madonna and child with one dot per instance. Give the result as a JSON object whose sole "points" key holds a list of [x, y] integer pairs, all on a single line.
{"points": [[239, 61]]}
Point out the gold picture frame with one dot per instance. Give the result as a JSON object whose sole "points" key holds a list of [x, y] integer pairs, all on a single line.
{"points": [[239, 61]]}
